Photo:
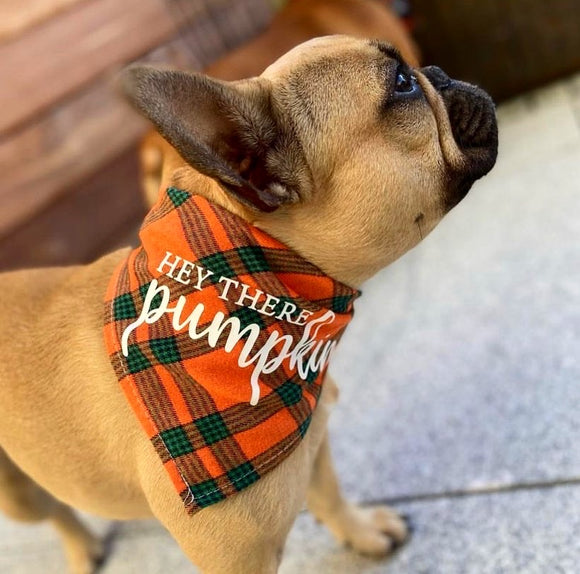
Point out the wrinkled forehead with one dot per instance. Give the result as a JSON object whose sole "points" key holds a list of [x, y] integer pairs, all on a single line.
{"points": [[324, 48]]}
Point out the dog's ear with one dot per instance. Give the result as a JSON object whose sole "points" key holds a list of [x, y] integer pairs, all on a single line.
{"points": [[222, 129]]}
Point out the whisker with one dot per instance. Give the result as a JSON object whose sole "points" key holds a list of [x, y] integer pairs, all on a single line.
{"points": [[418, 221]]}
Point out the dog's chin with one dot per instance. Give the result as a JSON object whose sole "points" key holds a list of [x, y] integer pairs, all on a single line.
{"points": [[473, 123]]}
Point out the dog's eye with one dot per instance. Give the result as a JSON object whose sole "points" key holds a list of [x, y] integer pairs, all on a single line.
{"points": [[405, 82]]}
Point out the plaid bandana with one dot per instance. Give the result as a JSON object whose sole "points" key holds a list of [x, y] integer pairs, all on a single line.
{"points": [[220, 336]]}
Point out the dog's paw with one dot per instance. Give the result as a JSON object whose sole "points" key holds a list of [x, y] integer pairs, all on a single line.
{"points": [[374, 530], [85, 559]]}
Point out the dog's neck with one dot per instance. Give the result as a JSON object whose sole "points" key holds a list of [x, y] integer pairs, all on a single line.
{"points": [[278, 225], [198, 184]]}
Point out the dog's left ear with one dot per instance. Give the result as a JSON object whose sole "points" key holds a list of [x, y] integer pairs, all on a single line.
{"points": [[225, 130]]}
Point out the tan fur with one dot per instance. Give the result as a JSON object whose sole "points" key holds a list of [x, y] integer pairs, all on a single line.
{"points": [[365, 170]]}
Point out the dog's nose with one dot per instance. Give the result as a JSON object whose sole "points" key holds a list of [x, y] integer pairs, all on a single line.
{"points": [[438, 78]]}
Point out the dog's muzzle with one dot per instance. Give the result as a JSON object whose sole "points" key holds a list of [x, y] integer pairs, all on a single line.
{"points": [[473, 122]]}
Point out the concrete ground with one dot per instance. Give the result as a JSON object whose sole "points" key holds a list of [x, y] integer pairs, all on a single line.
{"points": [[460, 380]]}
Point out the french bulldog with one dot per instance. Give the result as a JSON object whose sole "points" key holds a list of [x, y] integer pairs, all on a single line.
{"points": [[340, 151]]}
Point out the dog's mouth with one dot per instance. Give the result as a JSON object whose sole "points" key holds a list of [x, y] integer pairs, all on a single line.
{"points": [[473, 123]]}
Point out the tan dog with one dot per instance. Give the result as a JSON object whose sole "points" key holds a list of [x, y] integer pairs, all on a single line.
{"points": [[297, 22], [353, 158]]}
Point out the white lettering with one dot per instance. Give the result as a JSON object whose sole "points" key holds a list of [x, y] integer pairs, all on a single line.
{"points": [[166, 261], [228, 283], [185, 270], [286, 312], [253, 299], [148, 315], [269, 305], [201, 277], [309, 355], [303, 317]]}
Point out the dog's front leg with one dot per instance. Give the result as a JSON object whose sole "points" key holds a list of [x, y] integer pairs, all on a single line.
{"points": [[241, 535], [23, 500], [246, 533], [372, 530]]}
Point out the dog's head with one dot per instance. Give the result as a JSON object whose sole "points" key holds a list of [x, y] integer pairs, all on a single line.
{"points": [[338, 149]]}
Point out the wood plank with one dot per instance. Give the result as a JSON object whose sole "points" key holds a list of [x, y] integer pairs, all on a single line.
{"points": [[224, 26], [57, 58], [71, 141], [16, 16], [49, 159], [103, 211], [68, 144], [62, 149]]}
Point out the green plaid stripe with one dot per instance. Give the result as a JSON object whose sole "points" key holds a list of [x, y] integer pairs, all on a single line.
{"points": [[340, 304], [242, 476], [206, 493], [217, 263], [290, 393], [176, 442], [304, 426], [312, 376], [124, 308], [136, 360], [143, 293], [213, 428], [253, 258], [248, 316], [177, 196], [165, 350]]}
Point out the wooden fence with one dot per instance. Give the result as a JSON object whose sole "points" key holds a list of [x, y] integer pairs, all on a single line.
{"points": [[68, 167]]}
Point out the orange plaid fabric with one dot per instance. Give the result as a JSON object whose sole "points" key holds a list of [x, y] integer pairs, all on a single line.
{"points": [[220, 336]]}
